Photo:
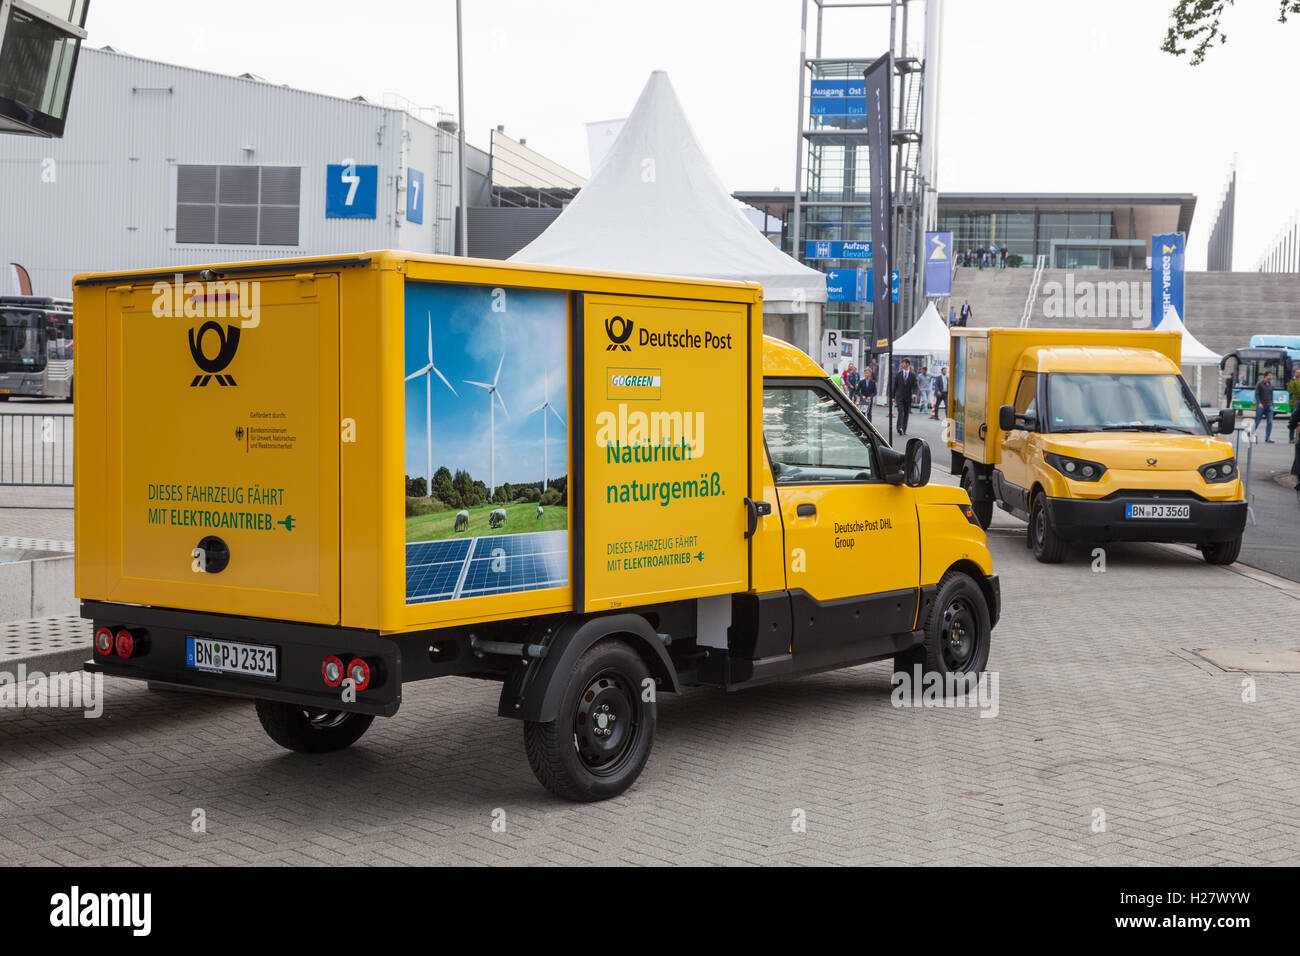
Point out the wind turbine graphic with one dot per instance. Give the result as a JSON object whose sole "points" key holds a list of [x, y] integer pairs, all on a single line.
{"points": [[428, 405], [492, 409], [542, 408]]}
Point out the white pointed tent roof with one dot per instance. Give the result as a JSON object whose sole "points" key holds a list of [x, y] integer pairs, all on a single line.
{"points": [[1194, 353], [928, 337], [655, 205]]}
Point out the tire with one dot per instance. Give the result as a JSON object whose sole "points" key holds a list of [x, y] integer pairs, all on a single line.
{"points": [[1222, 552], [606, 685], [983, 509], [958, 631], [1049, 547], [309, 730]]}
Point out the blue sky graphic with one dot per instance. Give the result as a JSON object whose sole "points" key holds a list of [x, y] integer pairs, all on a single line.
{"points": [[469, 339]]}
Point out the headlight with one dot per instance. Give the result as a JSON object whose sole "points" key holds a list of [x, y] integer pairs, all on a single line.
{"points": [[1076, 469], [1218, 472], [969, 513]]}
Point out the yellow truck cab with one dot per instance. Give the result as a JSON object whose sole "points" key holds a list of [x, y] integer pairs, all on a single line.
{"points": [[311, 481], [1091, 436]]}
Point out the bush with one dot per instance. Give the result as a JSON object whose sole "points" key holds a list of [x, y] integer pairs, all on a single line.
{"points": [[424, 506], [552, 497]]}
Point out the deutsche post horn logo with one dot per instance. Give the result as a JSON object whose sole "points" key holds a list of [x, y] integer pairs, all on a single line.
{"points": [[227, 344], [618, 339], [1151, 462]]}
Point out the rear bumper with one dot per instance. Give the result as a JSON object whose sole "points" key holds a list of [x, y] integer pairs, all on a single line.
{"points": [[301, 649], [1210, 521]]}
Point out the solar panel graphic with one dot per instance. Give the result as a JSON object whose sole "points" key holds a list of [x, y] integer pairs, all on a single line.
{"points": [[497, 564]]}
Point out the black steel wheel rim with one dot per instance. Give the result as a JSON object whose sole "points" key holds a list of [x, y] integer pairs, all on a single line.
{"points": [[958, 635], [324, 719], [1040, 526], [607, 723]]}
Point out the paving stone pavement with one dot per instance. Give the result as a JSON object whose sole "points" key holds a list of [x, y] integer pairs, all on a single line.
{"points": [[1102, 707]]}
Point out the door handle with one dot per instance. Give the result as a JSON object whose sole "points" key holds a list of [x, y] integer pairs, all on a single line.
{"points": [[755, 509], [806, 510]]}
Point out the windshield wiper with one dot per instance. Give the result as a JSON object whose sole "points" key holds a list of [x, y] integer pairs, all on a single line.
{"points": [[1144, 428]]}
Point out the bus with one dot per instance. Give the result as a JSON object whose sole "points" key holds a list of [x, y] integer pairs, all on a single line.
{"points": [[1245, 367], [35, 347]]}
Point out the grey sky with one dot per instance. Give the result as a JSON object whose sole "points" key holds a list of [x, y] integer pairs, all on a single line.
{"points": [[1036, 94]]}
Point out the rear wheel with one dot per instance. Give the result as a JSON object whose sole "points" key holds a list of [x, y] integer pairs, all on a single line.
{"points": [[958, 631], [1222, 552], [1049, 547], [599, 742], [983, 509], [311, 730]]}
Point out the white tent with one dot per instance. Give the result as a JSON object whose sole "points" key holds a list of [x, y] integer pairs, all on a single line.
{"points": [[928, 337], [655, 205], [1195, 355]]}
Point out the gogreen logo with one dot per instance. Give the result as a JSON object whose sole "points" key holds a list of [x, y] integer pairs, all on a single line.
{"points": [[618, 333], [227, 344]]}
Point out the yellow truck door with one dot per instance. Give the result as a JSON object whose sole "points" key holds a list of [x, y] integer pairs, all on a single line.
{"points": [[851, 539], [664, 467], [219, 464], [1018, 445]]}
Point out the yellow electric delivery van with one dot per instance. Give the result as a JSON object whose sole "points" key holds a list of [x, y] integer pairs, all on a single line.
{"points": [[1093, 436], [311, 481]]}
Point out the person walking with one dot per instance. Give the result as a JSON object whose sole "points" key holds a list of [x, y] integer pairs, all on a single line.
{"points": [[835, 377], [1002, 254], [925, 386], [851, 382], [1293, 423], [1293, 393], [1264, 406], [940, 394], [867, 390], [952, 316], [964, 318], [901, 392]]}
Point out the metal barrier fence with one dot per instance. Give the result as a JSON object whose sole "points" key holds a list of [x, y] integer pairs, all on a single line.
{"points": [[36, 450]]}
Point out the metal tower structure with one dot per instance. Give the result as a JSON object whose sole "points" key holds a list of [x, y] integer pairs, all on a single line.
{"points": [[831, 188]]}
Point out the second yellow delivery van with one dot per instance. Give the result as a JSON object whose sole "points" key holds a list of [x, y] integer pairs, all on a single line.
{"points": [[1091, 436]]}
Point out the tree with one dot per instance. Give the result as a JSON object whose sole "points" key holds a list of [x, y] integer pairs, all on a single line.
{"points": [[1197, 21], [443, 489], [414, 487]]}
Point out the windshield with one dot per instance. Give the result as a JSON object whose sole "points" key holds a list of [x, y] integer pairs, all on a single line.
{"points": [[21, 342], [1092, 401]]}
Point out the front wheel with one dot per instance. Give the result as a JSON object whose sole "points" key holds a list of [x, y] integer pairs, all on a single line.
{"points": [[311, 730], [1049, 547], [958, 631], [983, 509], [1222, 552], [599, 742]]}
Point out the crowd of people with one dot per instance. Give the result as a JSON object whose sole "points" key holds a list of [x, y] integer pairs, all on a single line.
{"points": [[926, 391], [991, 256]]}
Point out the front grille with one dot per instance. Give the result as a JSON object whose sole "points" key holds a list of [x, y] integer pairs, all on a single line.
{"points": [[1142, 493]]}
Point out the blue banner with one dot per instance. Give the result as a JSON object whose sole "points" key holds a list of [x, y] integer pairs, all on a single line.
{"points": [[838, 103], [893, 286], [938, 265], [1166, 275]]}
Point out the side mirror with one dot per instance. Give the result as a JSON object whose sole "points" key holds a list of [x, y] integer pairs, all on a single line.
{"points": [[1007, 418], [917, 469], [1226, 422], [893, 465]]}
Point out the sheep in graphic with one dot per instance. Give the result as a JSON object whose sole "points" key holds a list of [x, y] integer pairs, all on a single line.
{"points": [[462, 520], [497, 518], [539, 512]]}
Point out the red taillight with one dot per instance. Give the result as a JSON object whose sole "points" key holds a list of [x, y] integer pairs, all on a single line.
{"points": [[359, 672], [124, 643], [104, 641], [331, 671]]}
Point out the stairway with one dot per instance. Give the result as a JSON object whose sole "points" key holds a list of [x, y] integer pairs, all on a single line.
{"points": [[997, 296]]}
